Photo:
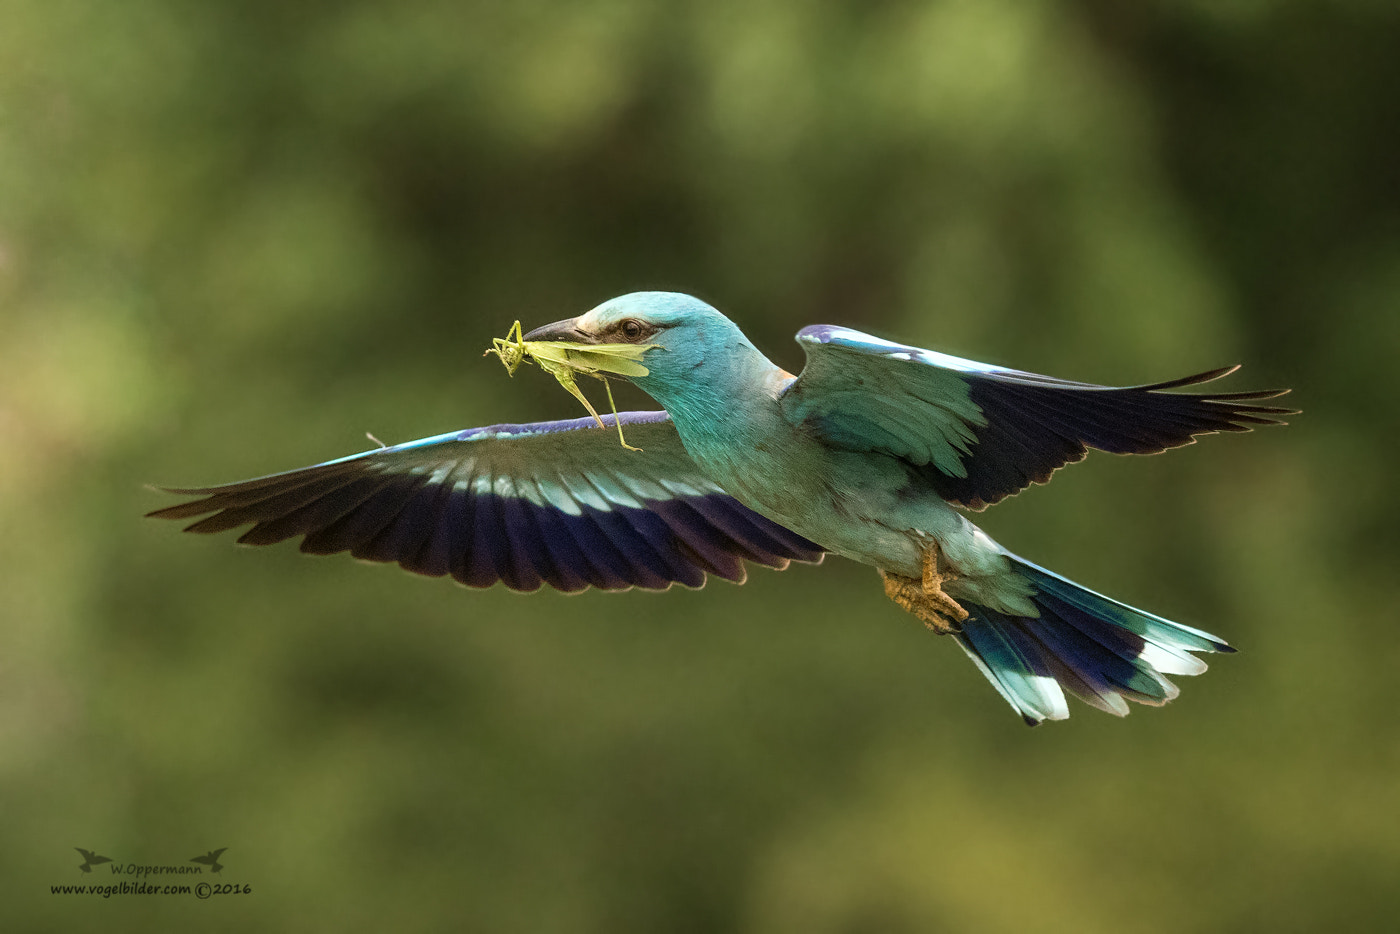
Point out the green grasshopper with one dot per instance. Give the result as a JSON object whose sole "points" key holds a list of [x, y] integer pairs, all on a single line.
{"points": [[564, 360]]}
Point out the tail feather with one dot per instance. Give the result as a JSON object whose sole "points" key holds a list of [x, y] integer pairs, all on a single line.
{"points": [[1100, 650], [1016, 669]]}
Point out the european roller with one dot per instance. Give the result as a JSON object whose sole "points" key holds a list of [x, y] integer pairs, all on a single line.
{"points": [[876, 452]]}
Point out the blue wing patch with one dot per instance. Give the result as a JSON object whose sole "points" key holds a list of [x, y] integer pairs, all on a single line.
{"points": [[558, 503], [979, 433]]}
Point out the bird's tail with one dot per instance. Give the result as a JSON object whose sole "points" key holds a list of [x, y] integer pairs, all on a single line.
{"points": [[1101, 651]]}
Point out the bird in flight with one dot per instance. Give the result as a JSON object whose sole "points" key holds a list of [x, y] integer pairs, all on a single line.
{"points": [[210, 859], [875, 452], [91, 859]]}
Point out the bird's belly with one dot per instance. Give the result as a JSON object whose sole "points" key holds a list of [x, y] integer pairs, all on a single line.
{"points": [[854, 505], [868, 507]]}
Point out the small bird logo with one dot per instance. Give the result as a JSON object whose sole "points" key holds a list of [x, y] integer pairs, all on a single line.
{"points": [[90, 859], [210, 859]]}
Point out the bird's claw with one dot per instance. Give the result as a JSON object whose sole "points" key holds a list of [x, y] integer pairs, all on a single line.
{"points": [[924, 597]]}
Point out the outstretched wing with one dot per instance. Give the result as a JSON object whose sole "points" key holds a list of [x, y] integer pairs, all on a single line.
{"points": [[982, 433], [559, 503]]}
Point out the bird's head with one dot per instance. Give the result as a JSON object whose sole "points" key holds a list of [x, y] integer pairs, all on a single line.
{"points": [[691, 343]]}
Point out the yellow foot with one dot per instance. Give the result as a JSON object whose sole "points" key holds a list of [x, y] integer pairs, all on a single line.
{"points": [[925, 597]]}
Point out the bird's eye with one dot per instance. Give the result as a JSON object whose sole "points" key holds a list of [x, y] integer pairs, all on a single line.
{"points": [[631, 329]]}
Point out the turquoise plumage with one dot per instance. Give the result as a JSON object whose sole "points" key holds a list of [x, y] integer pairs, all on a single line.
{"points": [[872, 453]]}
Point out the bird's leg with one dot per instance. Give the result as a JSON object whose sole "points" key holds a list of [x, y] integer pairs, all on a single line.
{"points": [[924, 597]]}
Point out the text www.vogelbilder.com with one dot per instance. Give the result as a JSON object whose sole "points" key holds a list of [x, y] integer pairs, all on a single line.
{"points": [[121, 888]]}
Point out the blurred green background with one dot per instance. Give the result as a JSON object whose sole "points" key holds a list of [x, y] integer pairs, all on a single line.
{"points": [[234, 236]]}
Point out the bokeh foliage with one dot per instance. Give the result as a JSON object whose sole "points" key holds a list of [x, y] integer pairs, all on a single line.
{"points": [[236, 235]]}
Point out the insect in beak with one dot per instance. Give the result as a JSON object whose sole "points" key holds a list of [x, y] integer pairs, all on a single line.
{"points": [[564, 359]]}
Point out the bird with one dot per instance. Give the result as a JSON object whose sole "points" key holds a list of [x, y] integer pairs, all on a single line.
{"points": [[91, 859], [210, 859], [877, 451]]}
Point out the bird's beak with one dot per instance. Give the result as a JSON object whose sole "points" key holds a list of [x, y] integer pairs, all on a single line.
{"points": [[566, 331]]}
